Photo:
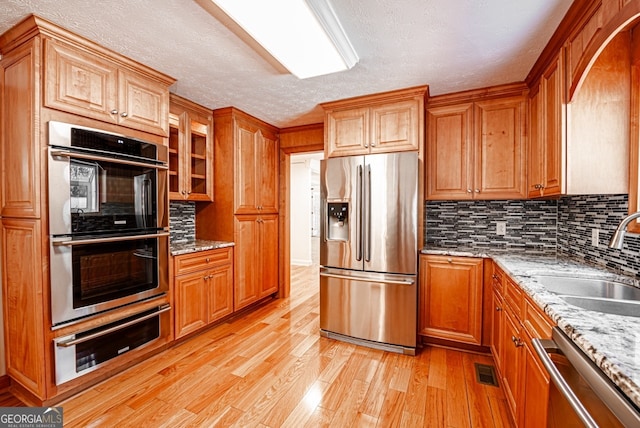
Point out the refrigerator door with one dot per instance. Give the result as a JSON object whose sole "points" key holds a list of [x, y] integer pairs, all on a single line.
{"points": [[374, 307], [390, 219], [341, 214]]}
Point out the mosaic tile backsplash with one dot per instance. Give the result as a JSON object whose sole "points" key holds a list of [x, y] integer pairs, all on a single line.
{"points": [[182, 221], [562, 227]]}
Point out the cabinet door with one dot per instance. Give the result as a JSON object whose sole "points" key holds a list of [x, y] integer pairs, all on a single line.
{"points": [[347, 132], [20, 134], [267, 166], [268, 280], [535, 158], [22, 293], [395, 127], [176, 157], [199, 146], [220, 285], [191, 302], [143, 104], [247, 256], [510, 363], [534, 402], [553, 137], [499, 148], [246, 162], [496, 328], [451, 298], [79, 82], [449, 154]]}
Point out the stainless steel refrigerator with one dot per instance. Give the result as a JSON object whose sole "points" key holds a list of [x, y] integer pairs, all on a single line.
{"points": [[368, 250]]}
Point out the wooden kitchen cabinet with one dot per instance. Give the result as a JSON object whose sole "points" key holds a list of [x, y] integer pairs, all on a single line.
{"points": [[510, 365], [246, 159], [547, 133], [257, 259], [190, 151], [451, 298], [476, 145], [86, 83], [381, 123], [495, 343], [203, 289]]}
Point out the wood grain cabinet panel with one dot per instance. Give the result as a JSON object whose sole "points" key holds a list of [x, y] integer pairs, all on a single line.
{"points": [[203, 289], [379, 123], [451, 298], [82, 82], [190, 151], [476, 146], [22, 297]]}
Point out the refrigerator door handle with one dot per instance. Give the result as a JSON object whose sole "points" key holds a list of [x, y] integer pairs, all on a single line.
{"points": [[359, 214], [376, 280], [367, 213]]}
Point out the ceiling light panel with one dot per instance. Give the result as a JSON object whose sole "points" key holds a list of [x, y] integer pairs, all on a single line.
{"points": [[304, 36]]}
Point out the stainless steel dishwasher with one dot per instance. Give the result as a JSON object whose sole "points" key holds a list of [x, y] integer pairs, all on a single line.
{"points": [[580, 394]]}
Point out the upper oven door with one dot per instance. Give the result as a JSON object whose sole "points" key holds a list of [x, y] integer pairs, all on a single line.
{"points": [[93, 195]]}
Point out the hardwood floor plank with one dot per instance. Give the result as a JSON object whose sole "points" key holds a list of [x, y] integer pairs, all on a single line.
{"points": [[372, 405], [391, 413], [438, 368], [346, 414], [305, 408], [225, 417], [416, 396], [435, 414], [457, 406]]}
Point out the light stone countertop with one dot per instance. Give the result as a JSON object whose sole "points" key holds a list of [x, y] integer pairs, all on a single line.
{"points": [[179, 248], [612, 342]]}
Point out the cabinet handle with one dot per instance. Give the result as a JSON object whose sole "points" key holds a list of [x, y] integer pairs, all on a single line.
{"points": [[114, 111], [124, 114]]}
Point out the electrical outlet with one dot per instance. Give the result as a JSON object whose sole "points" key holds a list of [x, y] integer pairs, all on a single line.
{"points": [[501, 228], [595, 237]]}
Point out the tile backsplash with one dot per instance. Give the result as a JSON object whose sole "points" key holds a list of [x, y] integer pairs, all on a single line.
{"points": [[182, 220], [562, 227]]}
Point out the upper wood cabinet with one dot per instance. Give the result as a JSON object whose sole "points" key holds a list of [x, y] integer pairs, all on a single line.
{"points": [[547, 133], [381, 123], [79, 81], [451, 298], [190, 151], [476, 146]]}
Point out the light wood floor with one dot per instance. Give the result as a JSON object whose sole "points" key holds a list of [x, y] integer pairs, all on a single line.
{"points": [[273, 369]]}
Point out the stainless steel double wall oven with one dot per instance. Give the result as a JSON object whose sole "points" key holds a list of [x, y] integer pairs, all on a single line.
{"points": [[108, 224]]}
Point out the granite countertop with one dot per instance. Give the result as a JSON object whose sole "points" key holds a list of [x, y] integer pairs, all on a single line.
{"points": [[186, 247], [612, 342]]}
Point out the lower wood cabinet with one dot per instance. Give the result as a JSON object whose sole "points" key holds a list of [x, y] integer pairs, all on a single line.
{"points": [[515, 322], [203, 289], [451, 298]]}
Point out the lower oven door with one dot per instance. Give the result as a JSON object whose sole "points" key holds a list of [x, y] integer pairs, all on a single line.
{"points": [[83, 352], [93, 275], [580, 394]]}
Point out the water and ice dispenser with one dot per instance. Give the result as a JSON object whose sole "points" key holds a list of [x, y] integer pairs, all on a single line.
{"points": [[338, 221]]}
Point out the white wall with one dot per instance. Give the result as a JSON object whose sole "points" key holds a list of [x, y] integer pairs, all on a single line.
{"points": [[302, 169]]}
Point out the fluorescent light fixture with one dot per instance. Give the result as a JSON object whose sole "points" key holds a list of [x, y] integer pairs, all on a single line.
{"points": [[304, 36]]}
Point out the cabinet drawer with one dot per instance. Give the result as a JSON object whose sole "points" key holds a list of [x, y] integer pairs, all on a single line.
{"points": [[513, 297], [537, 324], [202, 260], [497, 279]]}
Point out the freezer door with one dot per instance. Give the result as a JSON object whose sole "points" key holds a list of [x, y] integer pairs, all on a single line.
{"points": [[375, 307], [340, 229], [390, 220]]}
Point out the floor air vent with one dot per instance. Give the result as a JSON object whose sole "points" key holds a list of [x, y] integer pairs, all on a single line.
{"points": [[486, 375]]}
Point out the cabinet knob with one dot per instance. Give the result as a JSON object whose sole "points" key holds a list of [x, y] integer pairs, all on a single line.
{"points": [[477, 190], [206, 278], [513, 339], [498, 308], [449, 260], [519, 343], [494, 276], [207, 260], [124, 114], [366, 146], [114, 111], [469, 191], [538, 186]]}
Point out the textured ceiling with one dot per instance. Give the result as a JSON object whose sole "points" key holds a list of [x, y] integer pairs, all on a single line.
{"points": [[450, 45]]}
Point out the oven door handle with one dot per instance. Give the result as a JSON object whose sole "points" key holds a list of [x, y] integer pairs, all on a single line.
{"points": [[542, 348], [72, 342], [69, 242], [77, 155]]}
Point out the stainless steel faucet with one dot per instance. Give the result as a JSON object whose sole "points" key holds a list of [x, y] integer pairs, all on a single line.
{"points": [[621, 231]]}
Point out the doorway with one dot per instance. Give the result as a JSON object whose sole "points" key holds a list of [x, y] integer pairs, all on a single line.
{"points": [[305, 220]]}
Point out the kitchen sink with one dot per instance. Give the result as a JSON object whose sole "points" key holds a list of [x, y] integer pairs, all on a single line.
{"points": [[608, 306], [589, 287]]}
